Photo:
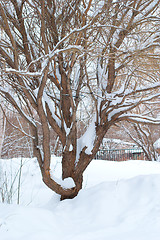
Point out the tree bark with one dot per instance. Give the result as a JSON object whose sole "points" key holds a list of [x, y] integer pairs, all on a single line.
{"points": [[68, 170]]}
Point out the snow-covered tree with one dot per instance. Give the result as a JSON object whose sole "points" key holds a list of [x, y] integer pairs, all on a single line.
{"points": [[15, 143], [60, 53], [143, 137]]}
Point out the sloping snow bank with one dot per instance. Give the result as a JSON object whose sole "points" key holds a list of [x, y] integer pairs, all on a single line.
{"points": [[100, 170], [120, 201]]}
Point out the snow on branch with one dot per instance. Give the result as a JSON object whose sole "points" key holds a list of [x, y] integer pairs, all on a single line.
{"points": [[139, 119], [47, 58], [23, 73], [86, 141]]}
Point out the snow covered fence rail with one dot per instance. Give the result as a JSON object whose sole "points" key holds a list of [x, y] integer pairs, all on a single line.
{"points": [[120, 154]]}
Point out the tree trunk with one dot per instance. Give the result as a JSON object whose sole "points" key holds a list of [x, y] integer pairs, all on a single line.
{"points": [[2, 130], [68, 170]]}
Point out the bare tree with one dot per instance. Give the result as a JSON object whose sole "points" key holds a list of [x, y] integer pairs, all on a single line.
{"points": [[2, 127], [59, 54], [143, 137], [15, 142]]}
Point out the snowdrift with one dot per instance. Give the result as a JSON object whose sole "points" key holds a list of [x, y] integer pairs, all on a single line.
{"points": [[119, 201]]}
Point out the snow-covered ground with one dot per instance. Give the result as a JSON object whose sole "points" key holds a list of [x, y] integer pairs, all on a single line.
{"points": [[119, 201]]}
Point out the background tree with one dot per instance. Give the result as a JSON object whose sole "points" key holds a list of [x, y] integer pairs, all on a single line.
{"points": [[58, 53], [2, 127], [15, 142], [143, 137]]}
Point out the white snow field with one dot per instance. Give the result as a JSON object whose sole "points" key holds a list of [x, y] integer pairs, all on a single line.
{"points": [[119, 201]]}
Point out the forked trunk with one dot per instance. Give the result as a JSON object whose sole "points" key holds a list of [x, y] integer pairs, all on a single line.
{"points": [[68, 170]]}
